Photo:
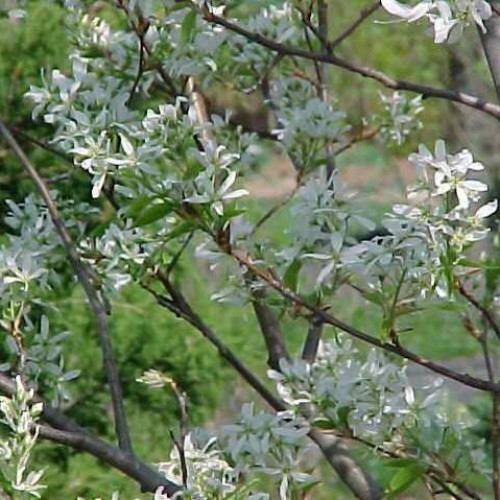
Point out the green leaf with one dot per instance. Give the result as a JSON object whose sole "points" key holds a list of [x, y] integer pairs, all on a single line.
{"points": [[135, 207], [188, 24], [230, 212], [403, 479], [398, 463], [324, 424], [153, 213], [182, 228], [291, 278]]}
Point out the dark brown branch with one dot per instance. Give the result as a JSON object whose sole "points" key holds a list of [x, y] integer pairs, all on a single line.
{"points": [[310, 349], [477, 383], [140, 69], [485, 312], [365, 71], [95, 303], [148, 478], [270, 328], [42, 144], [363, 16], [334, 451], [65, 431], [491, 45], [179, 306]]}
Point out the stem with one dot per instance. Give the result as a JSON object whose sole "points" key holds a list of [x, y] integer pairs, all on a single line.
{"points": [[477, 383], [363, 16], [365, 71], [83, 274]]}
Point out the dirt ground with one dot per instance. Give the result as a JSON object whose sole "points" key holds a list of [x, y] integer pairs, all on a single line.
{"points": [[276, 179]]}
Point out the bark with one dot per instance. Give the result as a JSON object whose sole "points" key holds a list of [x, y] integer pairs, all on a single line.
{"points": [[491, 45]]}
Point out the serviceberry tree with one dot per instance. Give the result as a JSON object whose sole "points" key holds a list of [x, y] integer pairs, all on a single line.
{"points": [[132, 115]]}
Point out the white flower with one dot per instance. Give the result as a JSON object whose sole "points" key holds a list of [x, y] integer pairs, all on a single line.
{"points": [[216, 197], [411, 14], [448, 17]]}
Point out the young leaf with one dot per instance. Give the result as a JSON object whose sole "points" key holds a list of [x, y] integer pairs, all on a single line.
{"points": [[188, 24]]}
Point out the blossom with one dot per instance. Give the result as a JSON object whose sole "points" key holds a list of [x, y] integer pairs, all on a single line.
{"points": [[216, 196], [448, 17]]}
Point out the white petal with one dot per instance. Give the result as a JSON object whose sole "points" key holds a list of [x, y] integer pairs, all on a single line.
{"points": [[126, 145], [235, 194], [98, 184], [410, 13], [475, 185], [487, 210], [228, 182]]}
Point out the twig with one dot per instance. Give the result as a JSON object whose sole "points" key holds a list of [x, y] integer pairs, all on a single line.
{"points": [[60, 154], [485, 312], [178, 255], [335, 453], [363, 136], [183, 425], [477, 383], [366, 71], [275, 208], [140, 70], [180, 308], [95, 303], [39, 143], [363, 16], [138, 31], [495, 414]]}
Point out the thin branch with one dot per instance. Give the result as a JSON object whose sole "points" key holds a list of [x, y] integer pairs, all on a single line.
{"points": [[270, 279], [148, 478], [179, 306], [365, 71], [485, 312], [95, 303], [65, 431], [365, 135], [490, 41], [42, 144], [334, 451], [363, 16], [140, 69], [183, 427], [495, 414], [60, 154], [178, 255], [276, 208], [139, 30]]}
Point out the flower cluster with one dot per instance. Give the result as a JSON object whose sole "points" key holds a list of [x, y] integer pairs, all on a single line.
{"points": [[29, 259], [428, 237], [448, 17], [401, 116], [369, 398], [307, 131], [208, 473], [19, 416], [273, 445]]}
